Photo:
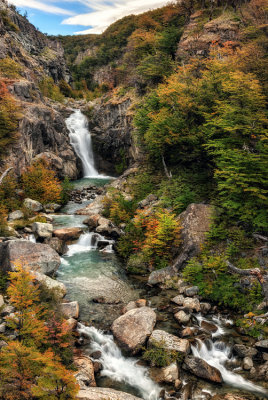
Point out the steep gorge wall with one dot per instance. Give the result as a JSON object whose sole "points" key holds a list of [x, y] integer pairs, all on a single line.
{"points": [[41, 127]]}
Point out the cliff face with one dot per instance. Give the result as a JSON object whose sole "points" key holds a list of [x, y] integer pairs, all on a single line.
{"points": [[41, 128]]}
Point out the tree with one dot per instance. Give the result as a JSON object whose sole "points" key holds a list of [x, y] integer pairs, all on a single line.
{"points": [[24, 296], [25, 373]]}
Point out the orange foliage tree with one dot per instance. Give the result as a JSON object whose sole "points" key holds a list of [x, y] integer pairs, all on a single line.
{"points": [[40, 183]]}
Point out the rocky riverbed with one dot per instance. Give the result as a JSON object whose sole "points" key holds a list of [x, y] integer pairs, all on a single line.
{"points": [[213, 359]]}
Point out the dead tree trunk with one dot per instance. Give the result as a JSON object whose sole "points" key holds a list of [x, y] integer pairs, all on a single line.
{"points": [[262, 278], [2, 177], [168, 174]]}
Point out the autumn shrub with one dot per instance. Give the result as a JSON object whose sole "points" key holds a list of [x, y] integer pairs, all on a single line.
{"points": [[49, 89], [210, 273], [3, 221], [8, 195], [10, 68], [117, 208], [152, 236], [9, 119], [158, 356], [40, 183]]}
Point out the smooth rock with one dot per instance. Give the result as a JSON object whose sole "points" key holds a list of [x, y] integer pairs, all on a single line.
{"points": [[35, 256], [192, 304], [167, 374], [32, 205], [51, 284], [191, 291], [188, 331], [57, 244], [98, 393], [262, 344], [209, 326], [169, 342], [182, 317], [247, 363], [15, 215], [42, 230], [178, 299], [202, 369], [244, 351], [70, 310], [67, 234], [2, 302], [85, 375], [133, 328]]}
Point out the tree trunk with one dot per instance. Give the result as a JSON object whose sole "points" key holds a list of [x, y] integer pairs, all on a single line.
{"points": [[168, 174], [262, 278], [2, 177]]}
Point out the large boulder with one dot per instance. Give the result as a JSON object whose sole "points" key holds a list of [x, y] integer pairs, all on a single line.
{"points": [[202, 369], [42, 230], [98, 393], [35, 256], [96, 207], [57, 244], [85, 374], [67, 234], [18, 214], [32, 205], [169, 342], [70, 310], [51, 284], [133, 328], [244, 351], [195, 222]]}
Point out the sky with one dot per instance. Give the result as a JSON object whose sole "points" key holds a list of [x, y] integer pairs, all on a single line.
{"points": [[68, 17]]}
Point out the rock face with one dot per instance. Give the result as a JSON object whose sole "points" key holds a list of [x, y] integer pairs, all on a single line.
{"points": [[111, 129], [42, 127], [169, 342], [66, 234], [133, 328], [50, 283], [36, 256], [42, 230], [195, 222], [85, 375], [202, 369], [103, 394]]}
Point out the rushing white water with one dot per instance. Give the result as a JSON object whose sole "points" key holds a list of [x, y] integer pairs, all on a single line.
{"points": [[87, 241], [118, 367], [217, 354], [81, 141]]}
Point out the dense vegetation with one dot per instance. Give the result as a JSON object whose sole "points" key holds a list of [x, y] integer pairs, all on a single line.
{"points": [[38, 364]]}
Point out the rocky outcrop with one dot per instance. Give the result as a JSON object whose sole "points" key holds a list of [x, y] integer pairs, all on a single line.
{"points": [[103, 393], [85, 375], [35, 256], [133, 328], [42, 129], [198, 35], [111, 130], [202, 369], [195, 222]]}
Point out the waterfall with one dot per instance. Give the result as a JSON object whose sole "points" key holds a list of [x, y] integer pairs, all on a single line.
{"points": [[81, 141], [118, 367]]}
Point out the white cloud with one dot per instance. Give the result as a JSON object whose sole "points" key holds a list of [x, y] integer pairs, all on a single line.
{"points": [[105, 13], [42, 6]]}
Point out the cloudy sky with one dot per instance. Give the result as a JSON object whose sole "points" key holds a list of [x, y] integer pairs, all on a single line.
{"points": [[80, 16]]}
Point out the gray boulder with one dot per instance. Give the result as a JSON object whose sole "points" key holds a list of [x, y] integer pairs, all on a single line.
{"points": [[202, 369], [15, 215], [35, 256], [57, 244], [133, 328], [169, 342], [70, 310], [182, 317], [51, 284], [32, 205], [85, 374], [262, 345], [244, 351], [52, 207], [42, 230]]}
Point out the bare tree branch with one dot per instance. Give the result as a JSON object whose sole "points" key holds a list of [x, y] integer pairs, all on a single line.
{"points": [[2, 177]]}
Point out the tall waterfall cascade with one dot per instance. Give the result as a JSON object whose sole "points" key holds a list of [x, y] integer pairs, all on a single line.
{"points": [[81, 141]]}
